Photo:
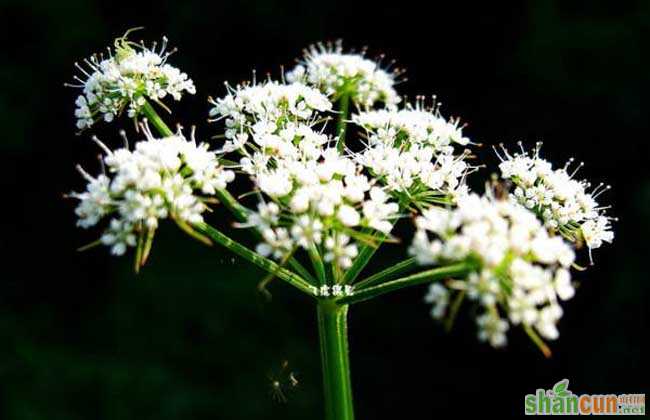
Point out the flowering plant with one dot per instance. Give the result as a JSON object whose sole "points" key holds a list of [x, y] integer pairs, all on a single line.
{"points": [[333, 159]]}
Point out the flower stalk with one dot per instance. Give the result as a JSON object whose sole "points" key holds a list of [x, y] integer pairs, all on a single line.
{"points": [[341, 126], [155, 120], [455, 270], [255, 258], [394, 270]]}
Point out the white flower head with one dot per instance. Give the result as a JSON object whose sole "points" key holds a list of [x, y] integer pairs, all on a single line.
{"points": [[337, 73], [161, 178], [563, 203], [125, 79], [492, 329], [414, 152], [515, 266], [323, 196], [268, 114]]}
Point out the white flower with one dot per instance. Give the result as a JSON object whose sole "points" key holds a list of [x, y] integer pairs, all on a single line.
{"points": [[518, 267], [562, 202], [378, 211], [307, 231], [129, 75], [340, 250], [563, 286], [277, 243], [438, 296], [119, 236], [348, 216], [596, 231], [547, 321], [161, 178], [254, 111], [492, 329], [95, 202], [335, 73], [412, 150]]}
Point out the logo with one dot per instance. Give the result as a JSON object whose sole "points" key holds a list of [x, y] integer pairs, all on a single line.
{"points": [[561, 401]]}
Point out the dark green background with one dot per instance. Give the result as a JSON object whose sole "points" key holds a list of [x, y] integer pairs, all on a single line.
{"points": [[82, 337]]}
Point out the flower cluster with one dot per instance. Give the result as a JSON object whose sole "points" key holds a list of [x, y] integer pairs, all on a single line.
{"points": [[562, 202], [126, 78], [515, 266], [327, 198], [412, 152], [317, 198], [161, 178], [258, 110], [336, 73]]}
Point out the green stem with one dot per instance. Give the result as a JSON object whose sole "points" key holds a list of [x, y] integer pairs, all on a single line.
{"points": [[541, 345], [155, 120], [453, 310], [333, 333], [399, 268], [412, 280], [255, 258], [341, 125], [240, 212]]}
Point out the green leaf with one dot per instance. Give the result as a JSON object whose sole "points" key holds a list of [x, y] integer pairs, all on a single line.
{"points": [[560, 388]]}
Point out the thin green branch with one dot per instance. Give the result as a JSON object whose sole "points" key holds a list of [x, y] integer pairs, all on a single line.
{"points": [[261, 287], [255, 258], [394, 270], [453, 310], [341, 125], [427, 276], [301, 270], [541, 345], [366, 253], [155, 120], [240, 212], [317, 263]]}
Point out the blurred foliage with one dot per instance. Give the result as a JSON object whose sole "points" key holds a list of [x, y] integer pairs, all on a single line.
{"points": [[82, 337]]}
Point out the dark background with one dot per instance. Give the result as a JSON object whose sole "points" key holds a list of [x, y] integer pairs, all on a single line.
{"points": [[82, 337]]}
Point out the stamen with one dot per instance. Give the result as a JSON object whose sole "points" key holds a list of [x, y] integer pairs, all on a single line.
{"points": [[496, 151], [594, 196], [81, 69], [85, 174], [101, 145], [124, 139], [101, 164], [505, 151], [576, 169], [568, 163]]}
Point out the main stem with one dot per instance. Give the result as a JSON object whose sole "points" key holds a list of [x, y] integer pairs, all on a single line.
{"points": [[333, 333]]}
